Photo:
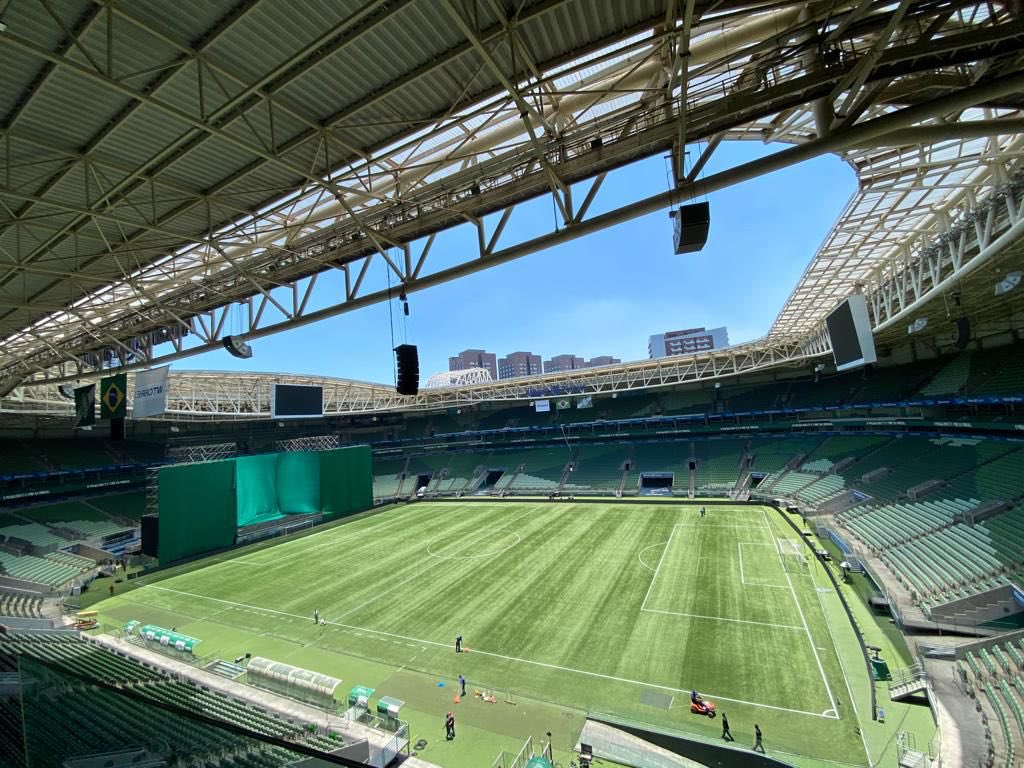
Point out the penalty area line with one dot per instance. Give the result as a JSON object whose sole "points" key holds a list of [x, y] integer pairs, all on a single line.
{"points": [[721, 618], [492, 654]]}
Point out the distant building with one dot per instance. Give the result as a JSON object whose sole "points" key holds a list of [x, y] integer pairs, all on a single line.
{"points": [[519, 364], [687, 342], [474, 358], [602, 360], [560, 363]]}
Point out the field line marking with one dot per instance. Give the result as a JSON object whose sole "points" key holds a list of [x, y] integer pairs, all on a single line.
{"points": [[433, 564], [803, 620], [842, 666], [661, 559], [743, 581], [492, 654], [722, 618], [652, 546]]}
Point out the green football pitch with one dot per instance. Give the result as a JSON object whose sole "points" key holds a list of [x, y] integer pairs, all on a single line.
{"points": [[609, 608]]}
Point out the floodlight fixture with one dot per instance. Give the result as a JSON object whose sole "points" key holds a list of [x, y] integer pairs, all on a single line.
{"points": [[1008, 283], [917, 325]]}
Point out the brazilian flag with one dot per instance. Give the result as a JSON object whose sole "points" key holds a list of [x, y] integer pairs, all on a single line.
{"points": [[114, 397]]}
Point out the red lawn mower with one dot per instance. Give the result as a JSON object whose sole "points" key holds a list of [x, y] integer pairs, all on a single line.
{"points": [[703, 707]]}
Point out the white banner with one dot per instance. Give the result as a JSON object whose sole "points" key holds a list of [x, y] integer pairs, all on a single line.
{"points": [[542, 406], [150, 393], [587, 401]]}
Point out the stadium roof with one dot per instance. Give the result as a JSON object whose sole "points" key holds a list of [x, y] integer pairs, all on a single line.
{"points": [[163, 164]]}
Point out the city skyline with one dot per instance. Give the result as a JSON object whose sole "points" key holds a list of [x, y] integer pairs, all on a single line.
{"points": [[523, 363]]}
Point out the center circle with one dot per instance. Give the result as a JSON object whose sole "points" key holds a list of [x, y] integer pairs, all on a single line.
{"points": [[494, 542]]}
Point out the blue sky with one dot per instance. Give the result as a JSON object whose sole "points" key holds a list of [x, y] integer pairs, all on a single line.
{"points": [[601, 294]]}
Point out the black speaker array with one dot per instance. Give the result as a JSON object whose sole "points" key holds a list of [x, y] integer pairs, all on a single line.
{"points": [[408, 369], [691, 228], [963, 332]]}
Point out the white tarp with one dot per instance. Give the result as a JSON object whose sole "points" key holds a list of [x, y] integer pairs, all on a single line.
{"points": [[150, 393]]}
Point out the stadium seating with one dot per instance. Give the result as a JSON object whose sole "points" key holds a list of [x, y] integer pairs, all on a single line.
{"points": [[1004, 725], [822, 489], [937, 460], [773, 455], [21, 606], [839, 447], [740, 399], [12, 748], [790, 484], [830, 390], [460, 468], [99, 711], [65, 511], [38, 570], [883, 526], [996, 672], [38, 536], [998, 478], [664, 457], [684, 401], [718, 464], [16, 459], [385, 476], [951, 379], [941, 560], [542, 471], [1007, 377], [889, 454], [890, 383], [127, 506], [599, 467]]}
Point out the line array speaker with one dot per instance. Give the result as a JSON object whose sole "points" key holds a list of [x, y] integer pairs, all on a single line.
{"points": [[963, 332], [408, 360]]}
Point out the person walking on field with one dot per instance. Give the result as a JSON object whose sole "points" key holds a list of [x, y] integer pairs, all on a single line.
{"points": [[449, 726], [758, 746], [725, 728], [316, 616], [458, 644], [462, 684]]}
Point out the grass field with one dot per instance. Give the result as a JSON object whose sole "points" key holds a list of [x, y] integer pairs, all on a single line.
{"points": [[609, 608]]}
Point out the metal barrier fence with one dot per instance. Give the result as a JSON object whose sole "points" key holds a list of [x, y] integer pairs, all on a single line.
{"points": [[396, 745], [503, 760]]}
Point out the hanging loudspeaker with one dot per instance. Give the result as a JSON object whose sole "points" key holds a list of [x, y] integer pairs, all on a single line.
{"points": [[691, 227], [963, 332], [408, 360], [237, 347]]}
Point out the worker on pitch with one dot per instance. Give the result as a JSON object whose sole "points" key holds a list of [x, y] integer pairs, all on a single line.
{"points": [[458, 643]]}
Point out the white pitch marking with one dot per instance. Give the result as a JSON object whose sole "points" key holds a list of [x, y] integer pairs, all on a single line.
{"points": [[803, 620], [638, 556], [743, 581], [486, 555], [842, 666], [721, 618], [661, 559], [434, 564], [499, 655]]}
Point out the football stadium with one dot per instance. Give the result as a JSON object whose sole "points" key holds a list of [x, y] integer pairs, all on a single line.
{"points": [[804, 549]]}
